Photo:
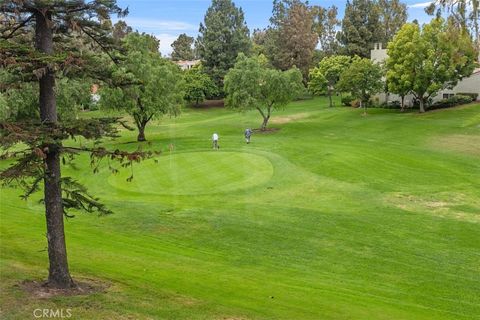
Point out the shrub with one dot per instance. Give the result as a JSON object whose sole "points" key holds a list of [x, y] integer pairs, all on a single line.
{"points": [[347, 100], [473, 95], [451, 102], [391, 105], [304, 95], [374, 102]]}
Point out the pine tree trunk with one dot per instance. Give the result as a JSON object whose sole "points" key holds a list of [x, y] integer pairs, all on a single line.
{"points": [[59, 275]]}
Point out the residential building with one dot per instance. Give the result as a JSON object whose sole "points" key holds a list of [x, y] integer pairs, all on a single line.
{"points": [[470, 84], [187, 64]]}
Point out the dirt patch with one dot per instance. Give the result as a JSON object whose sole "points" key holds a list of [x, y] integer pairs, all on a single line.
{"points": [[453, 208], [469, 144], [266, 131], [290, 118], [40, 290], [186, 301]]}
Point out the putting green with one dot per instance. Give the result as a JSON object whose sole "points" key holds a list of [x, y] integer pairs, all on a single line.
{"points": [[196, 173]]}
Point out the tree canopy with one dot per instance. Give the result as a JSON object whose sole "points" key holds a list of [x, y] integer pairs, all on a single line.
{"points": [[326, 24], [292, 35], [198, 85], [156, 84], [362, 79], [183, 48], [426, 60], [393, 15], [324, 77], [120, 30], [222, 36], [465, 13], [361, 27], [251, 84]]}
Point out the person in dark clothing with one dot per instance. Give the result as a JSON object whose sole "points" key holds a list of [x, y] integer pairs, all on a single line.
{"points": [[248, 134]]}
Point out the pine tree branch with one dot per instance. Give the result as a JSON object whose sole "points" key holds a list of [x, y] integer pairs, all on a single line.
{"points": [[99, 44], [19, 26]]}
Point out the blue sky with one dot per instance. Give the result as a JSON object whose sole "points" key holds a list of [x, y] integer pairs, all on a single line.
{"points": [[166, 19]]}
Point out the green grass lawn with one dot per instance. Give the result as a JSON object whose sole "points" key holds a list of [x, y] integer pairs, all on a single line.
{"points": [[334, 216]]}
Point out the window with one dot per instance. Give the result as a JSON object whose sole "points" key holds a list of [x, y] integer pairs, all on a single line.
{"points": [[448, 95]]}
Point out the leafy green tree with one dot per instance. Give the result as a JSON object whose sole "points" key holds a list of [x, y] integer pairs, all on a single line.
{"points": [[223, 35], [324, 77], [363, 79], [198, 85], [465, 13], [36, 46], [393, 15], [251, 84], [292, 36], [182, 48], [361, 27], [259, 42], [21, 101], [156, 84], [426, 60], [400, 80], [73, 95]]}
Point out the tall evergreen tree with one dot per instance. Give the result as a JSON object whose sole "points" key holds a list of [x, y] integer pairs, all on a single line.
{"points": [[393, 15], [293, 35], [121, 29], [182, 48], [361, 27], [223, 35], [326, 23], [37, 145]]}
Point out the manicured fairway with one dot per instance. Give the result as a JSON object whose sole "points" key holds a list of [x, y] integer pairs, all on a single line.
{"points": [[334, 216]]}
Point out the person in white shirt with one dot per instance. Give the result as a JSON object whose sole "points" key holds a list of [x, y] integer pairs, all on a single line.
{"points": [[215, 141]]}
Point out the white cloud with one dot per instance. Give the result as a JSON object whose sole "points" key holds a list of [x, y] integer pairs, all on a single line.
{"points": [[159, 25], [166, 40], [166, 31], [420, 5]]}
